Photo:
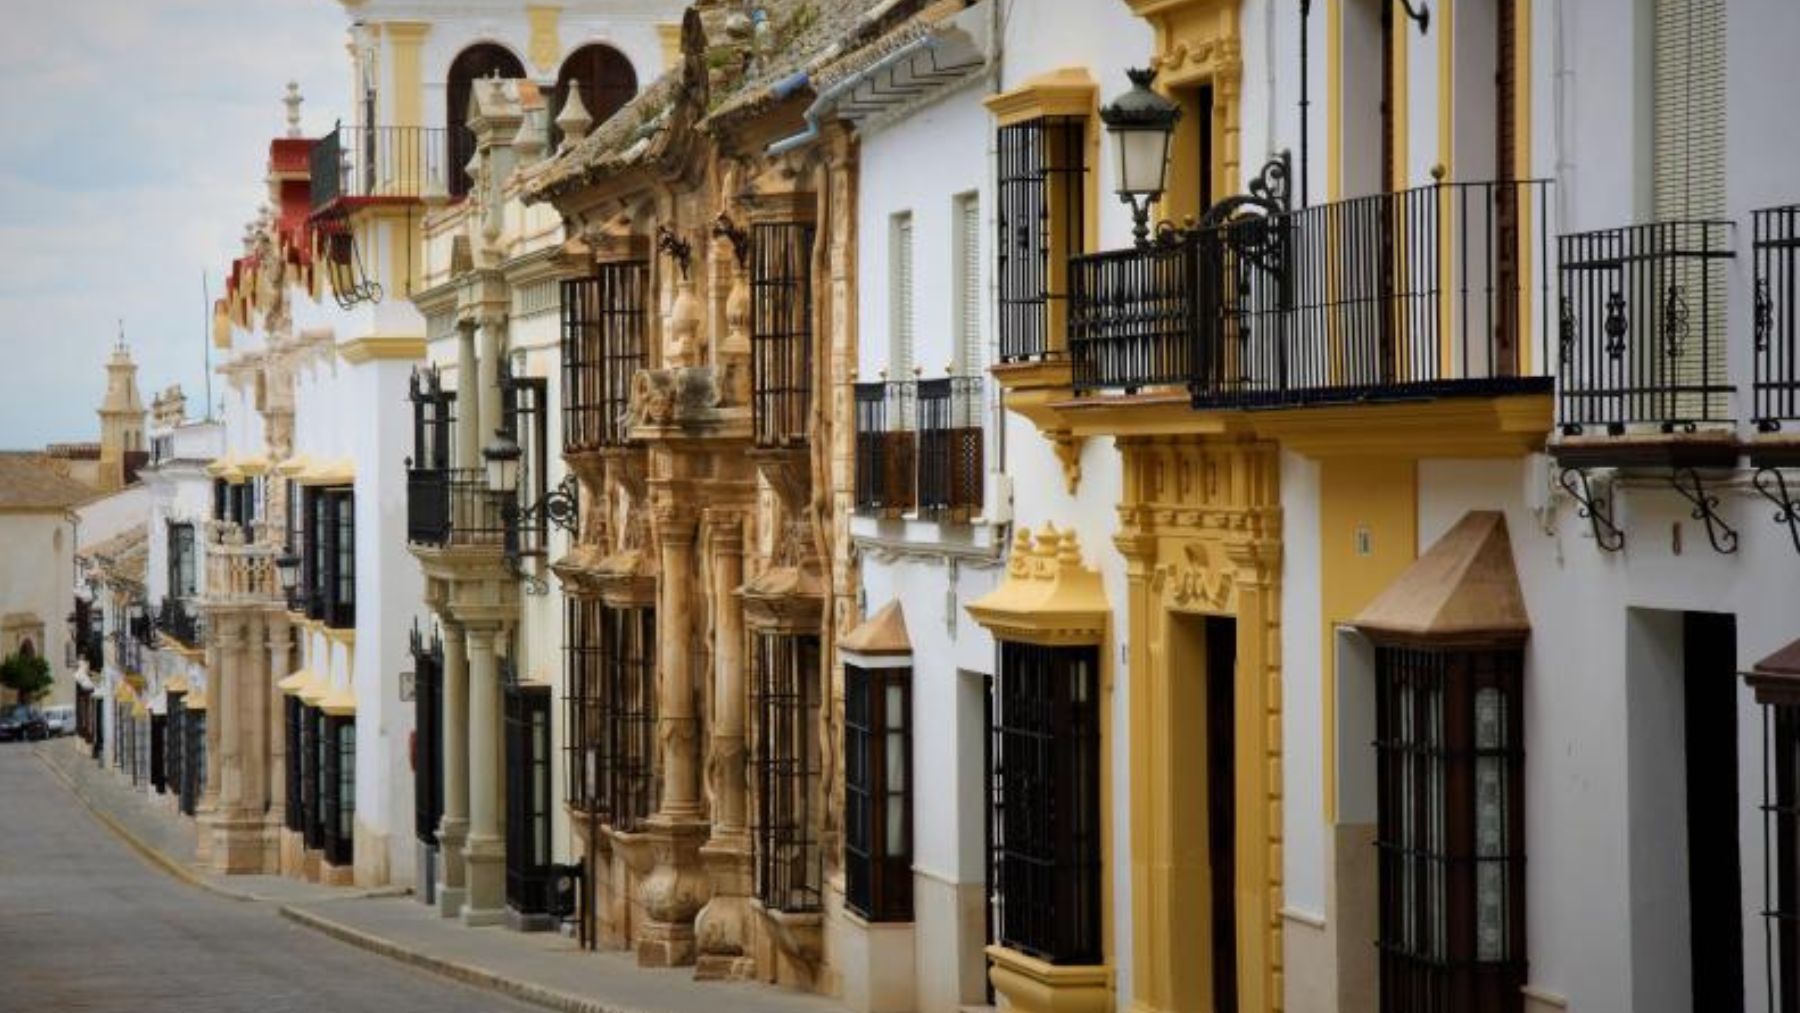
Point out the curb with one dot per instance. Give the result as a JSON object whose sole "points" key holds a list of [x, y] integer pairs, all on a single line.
{"points": [[537, 995], [175, 867]]}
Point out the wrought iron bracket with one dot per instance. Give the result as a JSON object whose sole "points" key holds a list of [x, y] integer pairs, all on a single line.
{"points": [[725, 228], [1773, 485], [345, 273], [1596, 508], [1421, 16], [561, 506], [1723, 536], [678, 249]]}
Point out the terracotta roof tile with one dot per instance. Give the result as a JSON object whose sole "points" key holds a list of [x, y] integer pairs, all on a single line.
{"points": [[28, 481]]}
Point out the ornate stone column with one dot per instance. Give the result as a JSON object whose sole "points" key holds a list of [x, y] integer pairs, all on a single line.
{"points": [[484, 853], [726, 855], [453, 825], [676, 886]]}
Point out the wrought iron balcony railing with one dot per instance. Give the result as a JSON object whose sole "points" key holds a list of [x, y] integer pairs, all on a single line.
{"points": [[1425, 292], [919, 446], [377, 163], [951, 465], [1642, 327], [177, 620], [1775, 252], [886, 447], [452, 506]]}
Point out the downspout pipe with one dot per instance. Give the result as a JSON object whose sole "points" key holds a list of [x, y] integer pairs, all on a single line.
{"points": [[830, 97]]}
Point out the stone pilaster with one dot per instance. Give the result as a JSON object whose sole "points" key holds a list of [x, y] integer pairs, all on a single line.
{"points": [[453, 825], [484, 853], [720, 927], [676, 886]]}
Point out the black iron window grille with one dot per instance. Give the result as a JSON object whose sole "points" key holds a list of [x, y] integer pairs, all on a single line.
{"points": [[612, 712], [175, 742], [886, 448], [295, 760], [1450, 794], [428, 470], [604, 343], [159, 753], [312, 773], [1642, 327], [951, 462], [786, 760], [522, 400], [528, 800], [781, 326], [878, 792], [194, 764], [183, 561], [1424, 292], [295, 541], [428, 735], [328, 568], [1775, 317], [1046, 803], [376, 162], [1781, 838], [337, 802], [221, 509], [1042, 189]]}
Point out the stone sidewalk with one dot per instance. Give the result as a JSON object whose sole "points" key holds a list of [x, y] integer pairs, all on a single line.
{"points": [[164, 837], [544, 968]]}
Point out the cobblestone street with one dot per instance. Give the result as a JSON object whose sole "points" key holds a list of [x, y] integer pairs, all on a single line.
{"points": [[85, 924]]}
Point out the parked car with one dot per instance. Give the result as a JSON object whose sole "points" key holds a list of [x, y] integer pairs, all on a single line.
{"points": [[60, 719], [23, 722]]}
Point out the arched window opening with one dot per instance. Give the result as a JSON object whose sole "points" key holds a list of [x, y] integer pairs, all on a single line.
{"points": [[27, 649], [607, 83], [483, 60]]}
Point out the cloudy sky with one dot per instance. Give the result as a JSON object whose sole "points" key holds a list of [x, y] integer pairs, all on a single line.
{"points": [[133, 143]]}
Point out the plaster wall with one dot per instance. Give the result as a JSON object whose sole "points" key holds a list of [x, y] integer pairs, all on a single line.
{"points": [[37, 590]]}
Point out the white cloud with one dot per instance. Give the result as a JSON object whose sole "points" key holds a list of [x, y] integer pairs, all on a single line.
{"points": [[128, 165]]}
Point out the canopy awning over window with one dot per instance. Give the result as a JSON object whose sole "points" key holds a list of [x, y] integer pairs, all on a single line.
{"points": [[1464, 589]]}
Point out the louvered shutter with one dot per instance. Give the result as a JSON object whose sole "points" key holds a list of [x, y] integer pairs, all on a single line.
{"points": [[1688, 179], [968, 281], [900, 291]]}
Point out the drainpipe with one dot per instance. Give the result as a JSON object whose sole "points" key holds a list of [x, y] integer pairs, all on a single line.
{"points": [[829, 98]]}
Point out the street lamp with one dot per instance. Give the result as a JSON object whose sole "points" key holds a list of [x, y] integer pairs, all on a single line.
{"points": [[287, 568], [502, 457], [1141, 123]]}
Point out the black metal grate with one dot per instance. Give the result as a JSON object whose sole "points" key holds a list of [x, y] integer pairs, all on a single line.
{"points": [[1781, 844], [781, 333], [951, 464], [878, 792], [312, 775], [785, 760], [604, 344], [886, 447], [1046, 802], [1775, 321], [528, 800], [1042, 217], [337, 783], [523, 402], [298, 779], [1642, 331], [428, 737], [1450, 791], [612, 712]]}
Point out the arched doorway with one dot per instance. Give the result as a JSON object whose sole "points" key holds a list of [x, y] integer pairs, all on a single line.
{"points": [[484, 59], [27, 649], [607, 83]]}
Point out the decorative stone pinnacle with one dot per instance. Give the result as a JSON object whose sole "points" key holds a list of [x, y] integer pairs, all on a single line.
{"points": [[292, 100], [574, 120]]}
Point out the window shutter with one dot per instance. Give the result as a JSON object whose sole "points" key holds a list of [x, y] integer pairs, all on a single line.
{"points": [[900, 294], [968, 284], [1688, 180]]}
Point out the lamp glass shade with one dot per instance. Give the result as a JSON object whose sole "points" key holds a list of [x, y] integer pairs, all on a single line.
{"points": [[502, 457], [1143, 154], [287, 568]]}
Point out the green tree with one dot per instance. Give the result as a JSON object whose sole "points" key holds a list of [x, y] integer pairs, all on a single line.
{"points": [[27, 675]]}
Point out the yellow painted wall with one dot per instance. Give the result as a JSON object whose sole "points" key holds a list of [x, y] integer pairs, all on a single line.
{"points": [[1368, 534]]}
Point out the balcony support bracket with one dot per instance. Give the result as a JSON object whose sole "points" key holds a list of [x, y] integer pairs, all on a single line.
{"points": [[1773, 485], [1597, 508], [1723, 536]]}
